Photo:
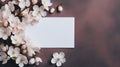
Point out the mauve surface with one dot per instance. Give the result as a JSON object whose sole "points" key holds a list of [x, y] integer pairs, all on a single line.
{"points": [[97, 34]]}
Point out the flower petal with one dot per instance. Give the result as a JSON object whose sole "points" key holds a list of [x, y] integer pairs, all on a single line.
{"points": [[32, 61], [62, 54], [63, 60], [38, 59], [53, 61], [55, 54], [58, 63], [21, 65]]}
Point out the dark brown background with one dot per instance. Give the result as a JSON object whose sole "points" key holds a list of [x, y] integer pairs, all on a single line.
{"points": [[97, 34]]}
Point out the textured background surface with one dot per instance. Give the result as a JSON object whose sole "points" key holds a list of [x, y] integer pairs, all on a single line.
{"points": [[97, 36]]}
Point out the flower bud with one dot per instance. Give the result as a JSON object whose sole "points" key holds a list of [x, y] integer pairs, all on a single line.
{"points": [[4, 49], [5, 24], [52, 10], [60, 8], [24, 46], [24, 51]]}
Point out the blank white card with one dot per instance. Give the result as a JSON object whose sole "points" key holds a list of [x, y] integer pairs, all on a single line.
{"points": [[52, 32]]}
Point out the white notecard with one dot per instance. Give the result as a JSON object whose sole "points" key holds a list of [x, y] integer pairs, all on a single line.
{"points": [[52, 32]]}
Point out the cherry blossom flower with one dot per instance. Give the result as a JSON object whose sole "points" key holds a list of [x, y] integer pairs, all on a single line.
{"points": [[17, 39], [58, 59], [21, 60], [4, 58], [35, 60], [14, 22], [13, 52], [39, 11], [24, 3], [17, 26], [46, 4], [5, 32]]}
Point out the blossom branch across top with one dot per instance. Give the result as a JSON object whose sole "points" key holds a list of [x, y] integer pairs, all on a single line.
{"points": [[15, 15]]}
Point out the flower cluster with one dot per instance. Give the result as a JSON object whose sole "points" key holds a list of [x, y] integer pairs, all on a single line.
{"points": [[15, 15]]}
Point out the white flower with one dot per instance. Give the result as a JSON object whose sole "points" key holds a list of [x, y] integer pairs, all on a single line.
{"points": [[21, 60], [4, 58], [13, 52], [39, 11], [14, 22], [17, 39], [24, 3], [46, 4], [16, 25], [36, 60], [5, 32], [58, 58]]}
